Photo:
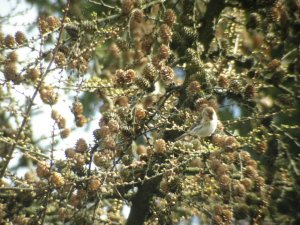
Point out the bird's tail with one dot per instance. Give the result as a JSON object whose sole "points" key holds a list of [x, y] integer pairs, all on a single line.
{"points": [[182, 136]]}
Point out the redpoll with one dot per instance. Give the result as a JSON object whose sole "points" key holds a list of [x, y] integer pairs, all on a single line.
{"points": [[207, 126]]}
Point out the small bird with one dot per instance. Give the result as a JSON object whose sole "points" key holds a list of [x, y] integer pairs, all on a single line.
{"points": [[206, 127]]}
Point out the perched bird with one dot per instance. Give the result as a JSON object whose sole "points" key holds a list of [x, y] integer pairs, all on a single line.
{"points": [[207, 125]]}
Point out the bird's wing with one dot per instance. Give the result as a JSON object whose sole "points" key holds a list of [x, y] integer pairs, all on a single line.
{"points": [[195, 124], [191, 128]]}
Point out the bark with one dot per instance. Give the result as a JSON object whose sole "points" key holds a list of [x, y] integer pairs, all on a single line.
{"points": [[141, 201], [206, 31]]}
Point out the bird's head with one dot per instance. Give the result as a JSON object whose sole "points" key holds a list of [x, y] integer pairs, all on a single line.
{"points": [[209, 113]]}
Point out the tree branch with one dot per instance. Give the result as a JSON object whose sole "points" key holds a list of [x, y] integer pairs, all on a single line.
{"points": [[141, 201], [206, 31]]}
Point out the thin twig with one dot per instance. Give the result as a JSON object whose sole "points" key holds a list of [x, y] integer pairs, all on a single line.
{"points": [[31, 101]]}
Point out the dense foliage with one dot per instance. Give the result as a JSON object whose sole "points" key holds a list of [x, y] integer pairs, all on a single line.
{"points": [[150, 67]]}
